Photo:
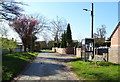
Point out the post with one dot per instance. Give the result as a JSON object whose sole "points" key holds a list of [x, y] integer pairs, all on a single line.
{"points": [[92, 21], [92, 14]]}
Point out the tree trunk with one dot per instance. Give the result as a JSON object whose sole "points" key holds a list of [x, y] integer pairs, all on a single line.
{"points": [[25, 50], [24, 41], [10, 51]]}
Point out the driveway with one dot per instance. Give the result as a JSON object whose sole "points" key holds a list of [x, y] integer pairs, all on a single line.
{"points": [[49, 66]]}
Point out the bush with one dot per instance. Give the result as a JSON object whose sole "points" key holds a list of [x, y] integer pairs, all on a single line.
{"points": [[100, 44], [105, 63]]}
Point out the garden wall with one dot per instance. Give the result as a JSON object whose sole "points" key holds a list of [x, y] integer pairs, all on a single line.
{"points": [[63, 50], [113, 55], [54, 49], [78, 52]]}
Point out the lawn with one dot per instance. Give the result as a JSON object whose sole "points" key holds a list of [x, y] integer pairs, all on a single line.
{"points": [[93, 71], [13, 64], [46, 50]]}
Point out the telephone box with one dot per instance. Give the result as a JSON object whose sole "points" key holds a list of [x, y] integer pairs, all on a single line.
{"points": [[87, 50]]}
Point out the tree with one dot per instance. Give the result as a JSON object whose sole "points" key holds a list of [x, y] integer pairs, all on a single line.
{"points": [[43, 45], [27, 27], [9, 9], [66, 38], [69, 36], [100, 35], [57, 28], [10, 45], [50, 44], [31, 42], [64, 41], [46, 36], [3, 30], [101, 32], [7, 44]]}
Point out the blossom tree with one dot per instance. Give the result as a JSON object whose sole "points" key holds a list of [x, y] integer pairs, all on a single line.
{"points": [[27, 27]]}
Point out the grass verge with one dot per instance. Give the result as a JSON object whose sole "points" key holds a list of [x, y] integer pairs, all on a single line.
{"points": [[96, 71], [46, 50], [13, 64]]}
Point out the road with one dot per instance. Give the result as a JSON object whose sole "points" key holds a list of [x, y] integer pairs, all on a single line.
{"points": [[48, 66]]}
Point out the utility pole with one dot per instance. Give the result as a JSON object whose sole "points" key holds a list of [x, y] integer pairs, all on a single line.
{"points": [[92, 14], [92, 17]]}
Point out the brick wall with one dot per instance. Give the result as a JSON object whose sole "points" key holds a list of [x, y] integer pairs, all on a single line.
{"points": [[119, 37], [114, 51], [115, 40], [114, 55]]}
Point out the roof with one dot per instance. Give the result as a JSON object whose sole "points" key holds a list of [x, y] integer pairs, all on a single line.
{"points": [[114, 30], [19, 43]]}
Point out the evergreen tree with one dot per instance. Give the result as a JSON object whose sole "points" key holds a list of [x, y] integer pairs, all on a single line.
{"points": [[69, 36], [64, 42]]}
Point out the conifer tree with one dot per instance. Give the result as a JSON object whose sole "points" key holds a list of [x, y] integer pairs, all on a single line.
{"points": [[64, 42], [69, 36]]}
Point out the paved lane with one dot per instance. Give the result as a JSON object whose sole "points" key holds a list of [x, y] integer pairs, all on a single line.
{"points": [[48, 66]]}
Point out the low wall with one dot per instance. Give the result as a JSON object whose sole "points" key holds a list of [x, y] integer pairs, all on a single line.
{"points": [[63, 50], [114, 55], [54, 49], [78, 52], [103, 57]]}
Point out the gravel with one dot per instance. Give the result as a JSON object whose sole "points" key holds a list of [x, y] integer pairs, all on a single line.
{"points": [[48, 66]]}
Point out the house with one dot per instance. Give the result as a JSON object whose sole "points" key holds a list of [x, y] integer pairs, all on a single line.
{"points": [[20, 47], [114, 51]]}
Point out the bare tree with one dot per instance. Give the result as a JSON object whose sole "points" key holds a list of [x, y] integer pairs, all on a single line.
{"points": [[46, 37], [57, 28], [100, 35], [3, 30], [9, 9], [101, 32]]}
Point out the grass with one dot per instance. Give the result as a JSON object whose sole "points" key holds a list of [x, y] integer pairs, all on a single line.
{"points": [[14, 63], [46, 50], [95, 71]]}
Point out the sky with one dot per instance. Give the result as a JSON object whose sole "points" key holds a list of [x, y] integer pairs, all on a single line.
{"points": [[105, 13]]}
